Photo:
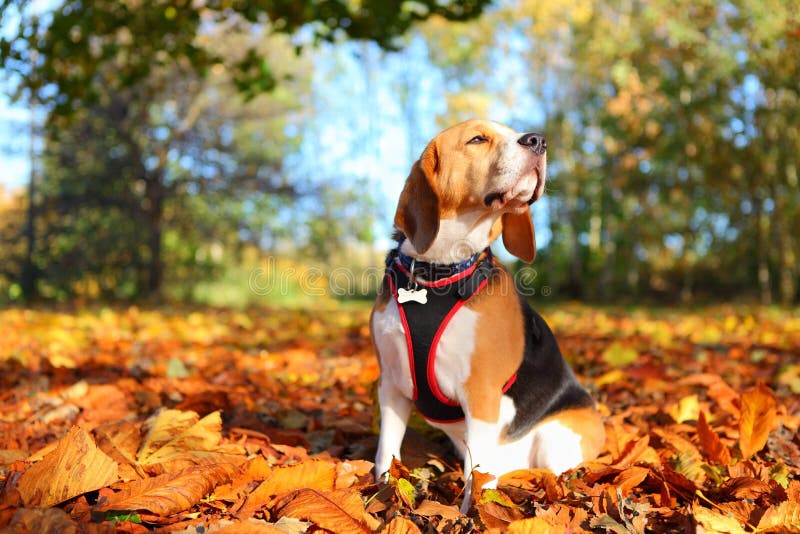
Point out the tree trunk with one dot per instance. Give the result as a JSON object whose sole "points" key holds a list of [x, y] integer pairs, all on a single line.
{"points": [[786, 258], [154, 215], [30, 274], [762, 223]]}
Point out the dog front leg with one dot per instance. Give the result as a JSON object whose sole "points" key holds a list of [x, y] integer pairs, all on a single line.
{"points": [[482, 438], [395, 409]]}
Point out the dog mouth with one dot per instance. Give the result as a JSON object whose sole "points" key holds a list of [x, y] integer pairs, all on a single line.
{"points": [[517, 197]]}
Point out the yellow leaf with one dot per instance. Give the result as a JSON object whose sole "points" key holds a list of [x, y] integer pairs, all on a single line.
{"points": [[688, 409], [716, 522], [74, 467], [784, 517], [757, 420], [176, 440], [619, 355], [162, 428], [406, 492]]}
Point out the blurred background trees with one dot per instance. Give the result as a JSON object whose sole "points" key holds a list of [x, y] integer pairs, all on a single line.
{"points": [[175, 146]]}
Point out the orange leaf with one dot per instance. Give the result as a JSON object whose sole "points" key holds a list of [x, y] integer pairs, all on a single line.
{"points": [[714, 450], [478, 481], [630, 478], [401, 525], [429, 508], [349, 472], [533, 525], [75, 466], [757, 420], [784, 517], [632, 452], [169, 493], [338, 511], [314, 474]]}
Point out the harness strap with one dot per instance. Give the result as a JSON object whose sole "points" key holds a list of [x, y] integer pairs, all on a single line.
{"points": [[424, 325]]}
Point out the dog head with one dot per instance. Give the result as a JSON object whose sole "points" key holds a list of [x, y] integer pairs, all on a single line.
{"points": [[473, 182]]}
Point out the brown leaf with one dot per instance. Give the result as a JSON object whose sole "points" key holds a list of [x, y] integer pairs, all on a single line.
{"points": [[744, 488], [401, 525], [74, 467], [337, 511], [757, 420], [120, 440], [350, 472], [41, 521], [430, 508], [176, 440], [311, 474], [398, 470], [630, 478], [495, 515], [714, 450], [169, 493]]}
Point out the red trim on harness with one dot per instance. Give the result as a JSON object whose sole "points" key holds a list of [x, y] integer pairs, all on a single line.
{"points": [[510, 382], [407, 332], [431, 367], [444, 281], [435, 344]]}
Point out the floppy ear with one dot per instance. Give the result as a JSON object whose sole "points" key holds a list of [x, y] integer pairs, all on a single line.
{"points": [[417, 213], [518, 236]]}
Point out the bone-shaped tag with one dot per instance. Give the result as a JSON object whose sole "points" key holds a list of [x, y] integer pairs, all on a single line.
{"points": [[412, 295]]}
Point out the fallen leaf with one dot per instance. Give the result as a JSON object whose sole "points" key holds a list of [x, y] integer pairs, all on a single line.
{"points": [[74, 467], [401, 525], [430, 508], [713, 449], [311, 474], [338, 511], [169, 493], [533, 525], [783, 517], [176, 440], [41, 521], [714, 521], [757, 419], [619, 355]]}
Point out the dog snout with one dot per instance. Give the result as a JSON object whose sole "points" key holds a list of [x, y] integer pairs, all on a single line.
{"points": [[534, 141]]}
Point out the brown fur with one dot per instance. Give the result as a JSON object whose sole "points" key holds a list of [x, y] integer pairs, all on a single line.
{"points": [[501, 331], [442, 188]]}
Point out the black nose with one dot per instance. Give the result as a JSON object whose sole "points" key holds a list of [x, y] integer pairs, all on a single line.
{"points": [[535, 141]]}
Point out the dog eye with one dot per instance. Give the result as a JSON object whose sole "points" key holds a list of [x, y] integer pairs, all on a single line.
{"points": [[477, 140]]}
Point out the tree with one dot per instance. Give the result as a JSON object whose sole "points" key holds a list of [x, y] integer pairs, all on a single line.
{"points": [[138, 69]]}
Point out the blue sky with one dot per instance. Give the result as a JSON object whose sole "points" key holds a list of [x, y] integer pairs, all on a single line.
{"points": [[369, 131]]}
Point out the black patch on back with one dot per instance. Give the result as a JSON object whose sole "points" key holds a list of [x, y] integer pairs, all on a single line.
{"points": [[545, 383]]}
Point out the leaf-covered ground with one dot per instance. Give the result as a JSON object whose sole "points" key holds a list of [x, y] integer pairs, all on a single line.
{"points": [[208, 420]]}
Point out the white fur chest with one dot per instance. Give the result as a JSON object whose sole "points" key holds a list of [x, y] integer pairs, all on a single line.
{"points": [[452, 357]]}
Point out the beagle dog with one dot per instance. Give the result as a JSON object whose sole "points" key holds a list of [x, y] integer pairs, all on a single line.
{"points": [[454, 336]]}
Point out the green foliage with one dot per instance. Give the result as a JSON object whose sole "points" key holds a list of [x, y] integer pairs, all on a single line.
{"points": [[73, 47], [672, 131]]}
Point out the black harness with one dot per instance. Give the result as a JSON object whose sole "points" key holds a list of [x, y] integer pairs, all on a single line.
{"points": [[447, 288]]}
